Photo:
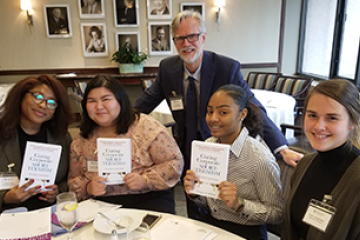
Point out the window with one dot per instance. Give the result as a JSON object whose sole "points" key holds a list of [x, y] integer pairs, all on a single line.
{"points": [[330, 38]]}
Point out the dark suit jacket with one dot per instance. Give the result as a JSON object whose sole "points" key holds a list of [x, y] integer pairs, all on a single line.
{"points": [[10, 153], [216, 71], [55, 27]]}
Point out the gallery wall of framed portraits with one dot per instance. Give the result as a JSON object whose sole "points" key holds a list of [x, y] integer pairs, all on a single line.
{"points": [[93, 17], [66, 41]]}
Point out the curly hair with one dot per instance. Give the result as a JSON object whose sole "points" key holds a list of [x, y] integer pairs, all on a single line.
{"points": [[253, 121], [127, 114], [10, 111]]}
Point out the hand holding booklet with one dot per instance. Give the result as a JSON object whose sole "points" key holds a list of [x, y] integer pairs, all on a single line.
{"points": [[41, 161], [114, 159], [209, 161]]}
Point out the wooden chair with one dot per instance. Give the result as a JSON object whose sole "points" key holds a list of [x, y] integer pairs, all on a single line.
{"points": [[262, 80], [297, 87]]}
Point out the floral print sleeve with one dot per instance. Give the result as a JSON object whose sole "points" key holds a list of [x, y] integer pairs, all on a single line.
{"points": [[81, 151], [156, 154]]}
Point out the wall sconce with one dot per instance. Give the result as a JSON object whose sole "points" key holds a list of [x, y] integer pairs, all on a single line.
{"points": [[219, 4], [26, 6]]}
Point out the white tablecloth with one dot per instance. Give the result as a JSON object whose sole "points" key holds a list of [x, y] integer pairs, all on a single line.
{"points": [[162, 113], [279, 107], [88, 232]]}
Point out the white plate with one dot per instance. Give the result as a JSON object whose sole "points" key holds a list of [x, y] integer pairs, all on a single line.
{"points": [[124, 217]]}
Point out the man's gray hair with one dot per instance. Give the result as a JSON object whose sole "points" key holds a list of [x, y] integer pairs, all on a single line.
{"points": [[187, 14]]}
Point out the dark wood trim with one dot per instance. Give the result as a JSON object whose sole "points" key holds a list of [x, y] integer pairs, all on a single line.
{"points": [[260, 65], [82, 71], [89, 72], [281, 34]]}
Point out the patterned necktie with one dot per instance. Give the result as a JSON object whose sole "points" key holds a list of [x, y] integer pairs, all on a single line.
{"points": [[191, 114]]}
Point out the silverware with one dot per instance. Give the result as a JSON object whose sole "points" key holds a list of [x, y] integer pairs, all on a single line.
{"points": [[116, 224], [114, 234]]}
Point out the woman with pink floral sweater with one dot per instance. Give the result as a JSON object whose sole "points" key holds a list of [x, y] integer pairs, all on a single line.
{"points": [[157, 162]]}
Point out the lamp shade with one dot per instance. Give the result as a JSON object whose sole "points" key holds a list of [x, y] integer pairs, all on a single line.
{"points": [[26, 5], [219, 3]]}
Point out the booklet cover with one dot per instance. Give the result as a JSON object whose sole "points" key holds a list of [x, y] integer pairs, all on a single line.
{"points": [[33, 225], [41, 161], [114, 159], [210, 163]]}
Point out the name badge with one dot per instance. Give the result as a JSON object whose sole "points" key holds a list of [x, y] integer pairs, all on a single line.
{"points": [[176, 102], [8, 180], [319, 214], [92, 166]]}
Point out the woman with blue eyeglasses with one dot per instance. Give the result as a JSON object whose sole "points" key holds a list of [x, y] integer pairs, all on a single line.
{"points": [[36, 109]]}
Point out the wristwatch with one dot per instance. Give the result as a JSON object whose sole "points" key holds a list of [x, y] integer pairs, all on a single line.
{"points": [[241, 205]]}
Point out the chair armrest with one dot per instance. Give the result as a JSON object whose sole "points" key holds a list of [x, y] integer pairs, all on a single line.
{"points": [[284, 126]]}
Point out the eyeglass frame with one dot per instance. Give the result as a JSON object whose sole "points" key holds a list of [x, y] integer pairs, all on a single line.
{"points": [[36, 101], [182, 38]]}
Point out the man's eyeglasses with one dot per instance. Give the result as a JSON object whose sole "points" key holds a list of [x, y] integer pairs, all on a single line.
{"points": [[190, 38], [39, 98]]}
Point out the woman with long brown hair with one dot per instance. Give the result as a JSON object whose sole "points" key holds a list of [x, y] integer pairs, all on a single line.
{"points": [[36, 109]]}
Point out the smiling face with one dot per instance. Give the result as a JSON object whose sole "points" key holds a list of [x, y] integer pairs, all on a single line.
{"points": [[224, 118], [32, 114], [327, 124], [102, 107], [190, 52]]}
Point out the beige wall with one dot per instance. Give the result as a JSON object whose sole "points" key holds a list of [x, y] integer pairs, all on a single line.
{"points": [[249, 32]]}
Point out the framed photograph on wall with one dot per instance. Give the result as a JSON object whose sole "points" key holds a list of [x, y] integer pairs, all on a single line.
{"points": [[159, 9], [90, 9], [126, 13], [58, 22], [194, 6], [131, 37], [160, 38], [94, 41]]}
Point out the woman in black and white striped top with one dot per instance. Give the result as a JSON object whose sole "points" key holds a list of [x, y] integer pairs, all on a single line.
{"points": [[251, 196]]}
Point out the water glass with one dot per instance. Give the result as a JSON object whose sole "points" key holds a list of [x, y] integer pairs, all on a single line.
{"points": [[67, 211], [142, 232]]}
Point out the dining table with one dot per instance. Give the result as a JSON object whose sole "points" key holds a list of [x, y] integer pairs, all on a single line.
{"points": [[279, 107], [88, 231]]}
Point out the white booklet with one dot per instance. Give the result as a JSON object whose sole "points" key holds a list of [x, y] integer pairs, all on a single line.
{"points": [[26, 225], [114, 159], [41, 161], [209, 161]]}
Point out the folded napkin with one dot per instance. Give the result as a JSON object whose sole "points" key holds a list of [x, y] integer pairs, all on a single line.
{"points": [[56, 228]]}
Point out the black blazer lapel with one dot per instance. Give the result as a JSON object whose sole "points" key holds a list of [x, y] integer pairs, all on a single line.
{"points": [[206, 85]]}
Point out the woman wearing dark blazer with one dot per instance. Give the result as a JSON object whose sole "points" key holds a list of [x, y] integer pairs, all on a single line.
{"points": [[36, 109]]}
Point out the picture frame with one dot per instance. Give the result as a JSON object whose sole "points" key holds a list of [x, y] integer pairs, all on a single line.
{"points": [[132, 37], [94, 40], [194, 6], [160, 41], [91, 9], [126, 16], [159, 9], [58, 21]]}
